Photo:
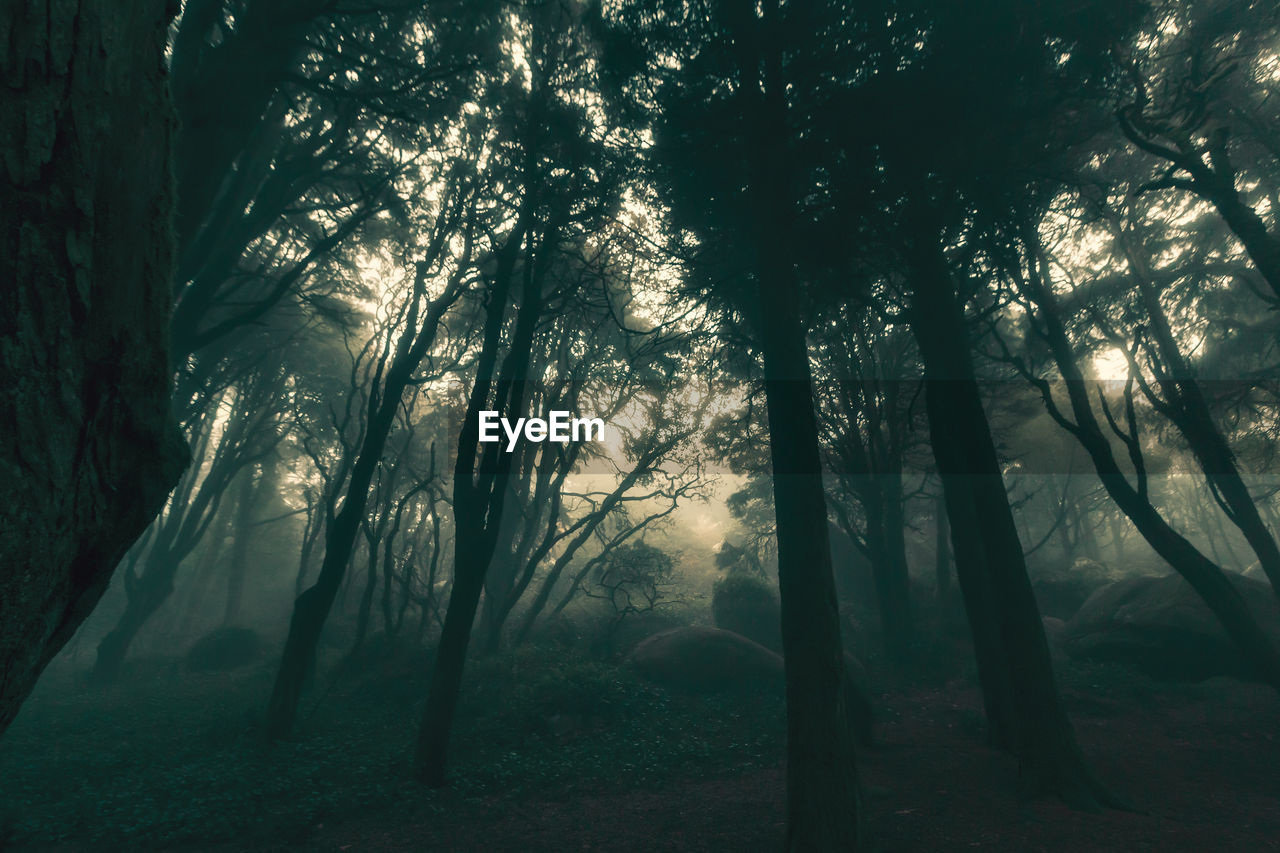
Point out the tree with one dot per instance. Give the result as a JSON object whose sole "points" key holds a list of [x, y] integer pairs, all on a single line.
{"points": [[634, 579], [88, 450], [240, 428], [724, 80], [1002, 80], [1198, 105], [1206, 578], [560, 182], [408, 340], [866, 414]]}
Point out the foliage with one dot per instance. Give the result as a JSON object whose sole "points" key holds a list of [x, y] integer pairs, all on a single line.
{"points": [[172, 757], [746, 605]]}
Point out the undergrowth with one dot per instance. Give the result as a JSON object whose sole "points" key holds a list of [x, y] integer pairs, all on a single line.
{"points": [[168, 756]]}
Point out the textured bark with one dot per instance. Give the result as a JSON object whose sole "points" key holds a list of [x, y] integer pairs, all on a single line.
{"points": [[87, 448]]}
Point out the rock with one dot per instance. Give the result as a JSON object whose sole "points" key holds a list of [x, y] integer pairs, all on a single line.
{"points": [[1062, 590], [1053, 630], [1160, 626], [224, 649], [705, 658], [1053, 627]]}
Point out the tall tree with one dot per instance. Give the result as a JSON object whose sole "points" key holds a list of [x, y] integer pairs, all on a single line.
{"points": [[408, 340], [88, 451], [1002, 80], [729, 85], [560, 182]]}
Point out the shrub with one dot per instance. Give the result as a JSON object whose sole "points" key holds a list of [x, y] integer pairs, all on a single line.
{"points": [[746, 605]]}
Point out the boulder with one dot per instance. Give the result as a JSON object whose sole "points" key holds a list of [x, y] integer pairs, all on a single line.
{"points": [[1255, 571], [1061, 590], [1160, 626], [224, 649], [1053, 631], [696, 657], [699, 658]]}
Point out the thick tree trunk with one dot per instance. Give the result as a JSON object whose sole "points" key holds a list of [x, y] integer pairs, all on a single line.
{"points": [[88, 450], [311, 609], [971, 571], [471, 558], [989, 556], [823, 799]]}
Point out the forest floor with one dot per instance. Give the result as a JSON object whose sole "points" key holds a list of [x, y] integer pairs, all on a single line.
{"points": [[171, 760]]}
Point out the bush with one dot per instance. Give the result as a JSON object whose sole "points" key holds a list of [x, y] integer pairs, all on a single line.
{"points": [[746, 605]]}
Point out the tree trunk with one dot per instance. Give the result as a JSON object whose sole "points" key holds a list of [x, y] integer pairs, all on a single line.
{"points": [[470, 561], [1189, 410], [1205, 577], [987, 547], [823, 798], [88, 450], [822, 786], [941, 552], [893, 580], [479, 496], [312, 607]]}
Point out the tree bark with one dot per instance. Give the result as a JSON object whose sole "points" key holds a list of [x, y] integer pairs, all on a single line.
{"points": [[88, 450]]}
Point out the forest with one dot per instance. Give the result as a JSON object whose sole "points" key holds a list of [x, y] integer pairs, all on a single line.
{"points": [[935, 345]]}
